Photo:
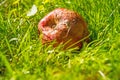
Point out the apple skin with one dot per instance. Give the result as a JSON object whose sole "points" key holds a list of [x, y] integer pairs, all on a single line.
{"points": [[64, 26]]}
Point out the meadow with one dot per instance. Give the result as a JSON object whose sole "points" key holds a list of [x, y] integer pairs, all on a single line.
{"points": [[23, 57]]}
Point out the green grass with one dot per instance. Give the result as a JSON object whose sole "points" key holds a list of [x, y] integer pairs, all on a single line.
{"points": [[23, 57]]}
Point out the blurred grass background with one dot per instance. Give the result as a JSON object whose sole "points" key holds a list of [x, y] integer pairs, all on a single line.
{"points": [[22, 56]]}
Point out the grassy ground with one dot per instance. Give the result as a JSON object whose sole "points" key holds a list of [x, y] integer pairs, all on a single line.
{"points": [[23, 57]]}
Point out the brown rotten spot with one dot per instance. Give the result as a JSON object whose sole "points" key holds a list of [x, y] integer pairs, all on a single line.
{"points": [[63, 25]]}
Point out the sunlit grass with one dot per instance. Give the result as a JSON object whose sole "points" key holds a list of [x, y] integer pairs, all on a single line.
{"points": [[22, 56]]}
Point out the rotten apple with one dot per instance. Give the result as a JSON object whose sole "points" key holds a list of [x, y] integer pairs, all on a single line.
{"points": [[65, 27]]}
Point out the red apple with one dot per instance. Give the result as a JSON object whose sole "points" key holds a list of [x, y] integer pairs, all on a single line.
{"points": [[64, 26]]}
